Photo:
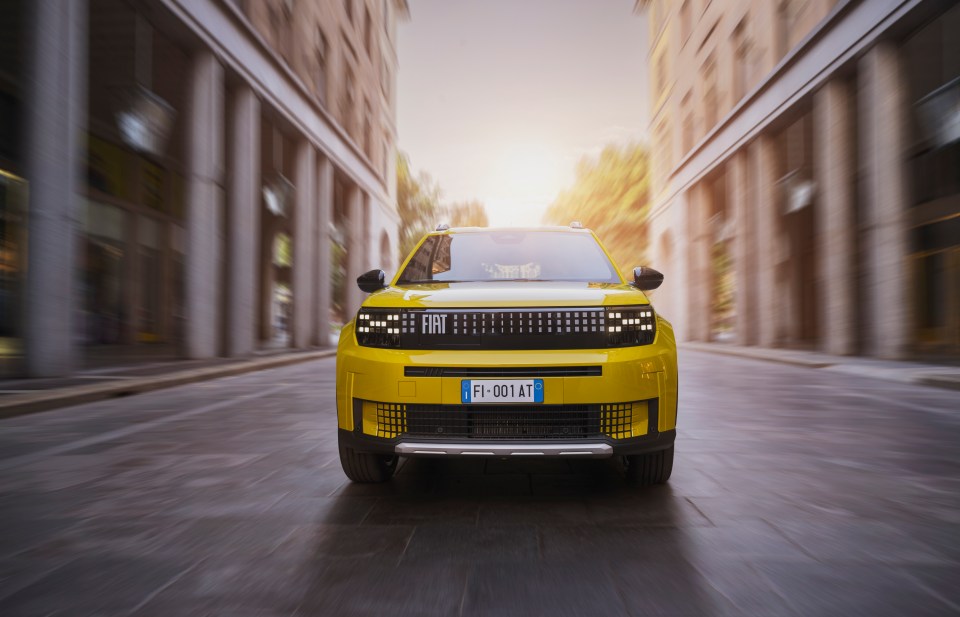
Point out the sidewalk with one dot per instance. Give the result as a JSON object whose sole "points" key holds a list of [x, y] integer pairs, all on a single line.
{"points": [[936, 375], [23, 396]]}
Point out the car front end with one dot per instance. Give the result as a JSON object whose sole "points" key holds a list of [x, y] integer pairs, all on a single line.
{"points": [[506, 368]]}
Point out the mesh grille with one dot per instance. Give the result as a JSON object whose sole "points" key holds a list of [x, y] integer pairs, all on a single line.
{"points": [[391, 420], [513, 422], [616, 420]]}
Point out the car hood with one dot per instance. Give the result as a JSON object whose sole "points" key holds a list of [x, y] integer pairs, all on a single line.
{"points": [[505, 294]]}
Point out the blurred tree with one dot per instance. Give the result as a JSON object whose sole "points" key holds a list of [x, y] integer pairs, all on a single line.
{"points": [[467, 214], [418, 204], [610, 196]]}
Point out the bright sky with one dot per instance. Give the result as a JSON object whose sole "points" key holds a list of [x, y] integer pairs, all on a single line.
{"points": [[498, 99]]}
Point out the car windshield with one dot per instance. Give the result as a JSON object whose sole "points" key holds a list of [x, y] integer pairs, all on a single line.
{"points": [[509, 256]]}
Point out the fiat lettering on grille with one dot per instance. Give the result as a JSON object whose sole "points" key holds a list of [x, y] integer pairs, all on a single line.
{"points": [[434, 324]]}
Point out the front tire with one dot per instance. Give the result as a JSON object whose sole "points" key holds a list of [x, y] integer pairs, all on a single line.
{"points": [[650, 469], [365, 467]]}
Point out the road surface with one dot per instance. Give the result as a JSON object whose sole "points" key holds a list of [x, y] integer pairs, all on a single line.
{"points": [[795, 492]]}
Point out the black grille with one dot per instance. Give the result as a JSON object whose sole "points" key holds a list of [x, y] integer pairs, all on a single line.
{"points": [[503, 371], [616, 420], [519, 422], [534, 328], [515, 328], [391, 420]]}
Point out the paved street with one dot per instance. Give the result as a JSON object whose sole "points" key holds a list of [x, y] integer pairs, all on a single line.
{"points": [[795, 492]]}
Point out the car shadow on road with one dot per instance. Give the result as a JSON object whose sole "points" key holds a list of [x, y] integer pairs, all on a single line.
{"points": [[508, 537]]}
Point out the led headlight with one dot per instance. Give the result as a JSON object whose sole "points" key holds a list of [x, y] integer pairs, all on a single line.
{"points": [[630, 325], [378, 328]]}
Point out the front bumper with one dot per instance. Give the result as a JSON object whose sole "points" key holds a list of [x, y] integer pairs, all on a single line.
{"points": [[644, 376], [599, 448]]}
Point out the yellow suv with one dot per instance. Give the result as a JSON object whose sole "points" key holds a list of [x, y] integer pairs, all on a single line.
{"points": [[507, 343]]}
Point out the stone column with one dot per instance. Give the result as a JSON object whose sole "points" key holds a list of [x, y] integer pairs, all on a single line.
{"points": [[681, 282], [744, 249], [304, 236], [763, 171], [324, 218], [355, 250], [703, 313], [55, 114], [835, 218], [204, 197], [699, 263], [243, 222], [883, 116], [693, 275]]}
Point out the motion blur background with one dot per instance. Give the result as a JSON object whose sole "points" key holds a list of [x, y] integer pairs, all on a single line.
{"points": [[198, 179]]}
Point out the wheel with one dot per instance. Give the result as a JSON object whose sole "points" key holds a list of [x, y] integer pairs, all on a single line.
{"points": [[366, 467], [652, 468]]}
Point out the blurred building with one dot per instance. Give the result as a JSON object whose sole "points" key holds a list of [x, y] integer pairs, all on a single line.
{"points": [[190, 173], [806, 166]]}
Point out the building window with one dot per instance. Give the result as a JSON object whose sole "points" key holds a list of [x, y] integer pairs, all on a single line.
{"points": [[686, 21], [788, 16], [385, 78], [741, 71], [367, 128], [385, 161], [320, 76], [660, 74], [741, 61], [710, 97], [666, 146], [348, 107], [281, 20], [368, 32]]}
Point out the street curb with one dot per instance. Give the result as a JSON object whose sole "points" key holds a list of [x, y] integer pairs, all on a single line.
{"points": [[22, 404], [758, 354], [940, 382], [820, 361]]}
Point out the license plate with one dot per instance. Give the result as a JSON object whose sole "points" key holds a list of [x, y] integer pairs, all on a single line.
{"points": [[501, 391]]}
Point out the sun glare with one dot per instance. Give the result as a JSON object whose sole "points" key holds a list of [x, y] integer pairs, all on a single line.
{"points": [[526, 179], [526, 170]]}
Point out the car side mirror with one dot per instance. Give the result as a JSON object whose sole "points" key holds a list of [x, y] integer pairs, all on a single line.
{"points": [[646, 278], [372, 281]]}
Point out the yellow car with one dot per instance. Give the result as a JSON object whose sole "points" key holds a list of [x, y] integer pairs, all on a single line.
{"points": [[507, 343]]}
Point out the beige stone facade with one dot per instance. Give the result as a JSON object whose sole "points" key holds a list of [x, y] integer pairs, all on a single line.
{"points": [[345, 52], [802, 186], [224, 169]]}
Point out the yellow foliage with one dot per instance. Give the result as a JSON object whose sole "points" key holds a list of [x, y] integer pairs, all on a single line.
{"points": [[610, 196]]}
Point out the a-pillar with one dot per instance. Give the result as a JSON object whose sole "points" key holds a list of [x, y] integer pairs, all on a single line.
{"points": [[325, 186], [883, 116], [243, 222], [356, 247], [304, 236], [763, 171], [204, 199], [836, 216], [55, 114], [744, 248]]}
